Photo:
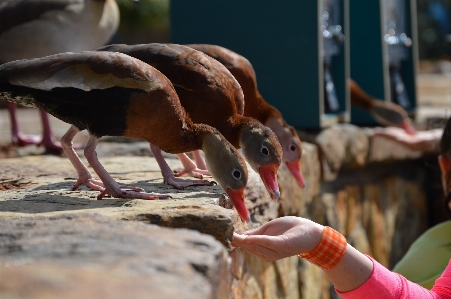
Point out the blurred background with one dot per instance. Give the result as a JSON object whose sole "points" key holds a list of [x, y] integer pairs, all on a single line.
{"points": [[304, 52], [143, 22], [150, 21]]}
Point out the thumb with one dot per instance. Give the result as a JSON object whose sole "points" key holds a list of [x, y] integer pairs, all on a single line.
{"points": [[238, 239], [270, 242]]}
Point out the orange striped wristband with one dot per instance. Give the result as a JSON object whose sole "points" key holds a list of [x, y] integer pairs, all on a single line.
{"points": [[329, 251]]}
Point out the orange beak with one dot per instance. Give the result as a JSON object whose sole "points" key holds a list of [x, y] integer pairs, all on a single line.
{"points": [[268, 174], [408, 127], [295, 169], [237, 197]]}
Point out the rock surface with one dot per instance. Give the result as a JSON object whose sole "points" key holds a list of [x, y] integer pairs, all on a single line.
{"points": [[371, 202], [91, 256]]}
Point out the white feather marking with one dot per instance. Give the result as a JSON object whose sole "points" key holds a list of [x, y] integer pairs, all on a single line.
{"points": [[81, 77], [59, 79]]}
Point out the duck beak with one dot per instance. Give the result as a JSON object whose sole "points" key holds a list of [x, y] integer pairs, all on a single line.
{"points": [[295, 169], [407, 126], [237, 197], [445, 167], [268, 174]]}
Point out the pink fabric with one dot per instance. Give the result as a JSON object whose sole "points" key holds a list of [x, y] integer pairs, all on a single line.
{"points": [[442, 285], [384, 284]]}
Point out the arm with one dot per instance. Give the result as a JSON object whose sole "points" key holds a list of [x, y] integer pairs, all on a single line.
{"points": [[289, 236], [355, 275], [442, 285], [384, 284], [425, 141]]}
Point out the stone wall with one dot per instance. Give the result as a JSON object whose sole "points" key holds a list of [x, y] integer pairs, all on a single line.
{"points": [[59, 243]]}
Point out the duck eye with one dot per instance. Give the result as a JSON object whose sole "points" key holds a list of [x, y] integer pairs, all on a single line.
{"points": [[292, 148], [236, 174], [265, 151]]}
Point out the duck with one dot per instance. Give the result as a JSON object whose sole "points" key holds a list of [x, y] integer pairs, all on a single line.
{"points": [[113, 94], [32, 29], [207, 91], [385, 113], [256, 107]]}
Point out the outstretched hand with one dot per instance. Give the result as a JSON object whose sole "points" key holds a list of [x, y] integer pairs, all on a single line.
{"points": [[280, 238], [422, 141], [288, 236]]}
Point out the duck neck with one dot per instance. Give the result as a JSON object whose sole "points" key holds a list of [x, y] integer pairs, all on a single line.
{"points": [[359, 97], [238, 127], [196, 134], [276, 124], [256, 107]]}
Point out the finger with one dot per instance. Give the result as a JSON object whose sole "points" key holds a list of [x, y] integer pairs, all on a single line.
{"points": [[259, 230], [259, 255], [244, 240], [238, 240], [271, 242], [261, 250]]}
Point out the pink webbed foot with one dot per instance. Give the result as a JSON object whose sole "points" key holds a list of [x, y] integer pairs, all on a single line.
{"points": [[118, 191], [168, 175], [181, 183], [54, 146], [50, 144], [126, 193], [107, 185], [191, 168], [196, 173], [98, 185], [24, 140]]}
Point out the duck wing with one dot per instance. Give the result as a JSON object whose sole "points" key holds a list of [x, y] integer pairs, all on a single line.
{"points": [[77, 87], [199, 79]]}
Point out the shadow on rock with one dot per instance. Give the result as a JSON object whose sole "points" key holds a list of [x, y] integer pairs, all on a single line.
{"points": [[45, 202]]}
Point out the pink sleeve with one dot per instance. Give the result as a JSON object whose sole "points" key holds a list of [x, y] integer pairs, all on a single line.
{"points": [[442, 285], [384, 284]]}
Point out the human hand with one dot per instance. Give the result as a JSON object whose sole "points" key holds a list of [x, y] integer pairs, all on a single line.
{"points": [[422, 141], [280, 238]]}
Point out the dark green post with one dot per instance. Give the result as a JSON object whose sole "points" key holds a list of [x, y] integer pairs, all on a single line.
{"points": [[283, 40]]}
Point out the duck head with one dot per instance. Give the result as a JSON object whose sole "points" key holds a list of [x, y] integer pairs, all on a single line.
{"points": [[391, 114], [291, 146], [228, 168], [292, 153], [263, 152]]}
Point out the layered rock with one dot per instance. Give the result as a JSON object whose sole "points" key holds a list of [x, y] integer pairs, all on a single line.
{"points": [[375, 195]]}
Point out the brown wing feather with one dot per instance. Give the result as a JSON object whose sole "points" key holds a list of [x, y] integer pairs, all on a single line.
{"points": [[253, 105], [206, 89]]}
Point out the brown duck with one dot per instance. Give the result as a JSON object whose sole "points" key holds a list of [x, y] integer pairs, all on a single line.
{"points": [[256, 107], [210, 94], [114, 94], [385, 113]]}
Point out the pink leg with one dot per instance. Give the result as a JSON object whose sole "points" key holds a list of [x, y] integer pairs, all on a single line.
{"points": [[189, 167], [169, 177], [199, 159], [17, 136], [84, 175], [48, 140], [111, 186]]}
